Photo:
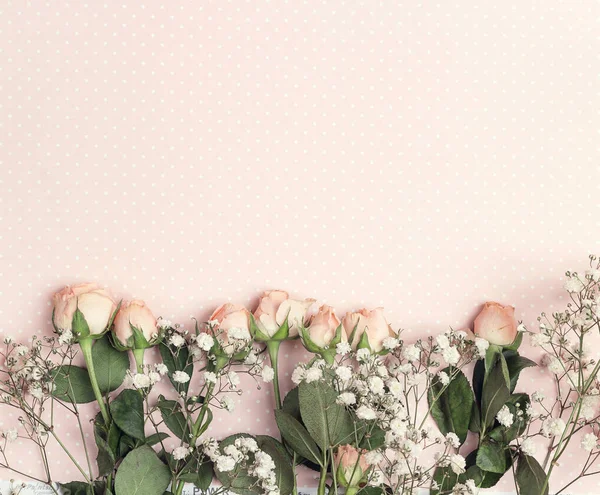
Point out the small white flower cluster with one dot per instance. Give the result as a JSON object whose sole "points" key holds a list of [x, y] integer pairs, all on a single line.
{"points": [[145, 381], [452, 344], [246, 456]]}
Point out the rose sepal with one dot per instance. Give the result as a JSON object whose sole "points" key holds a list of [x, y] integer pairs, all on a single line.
{"points": [[364, 343], [328, 352], [282, 333], [137, 340]]}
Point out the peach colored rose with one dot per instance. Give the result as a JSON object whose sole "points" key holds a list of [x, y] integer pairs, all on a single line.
{"points": [[323, 326], [95, 303], [351, 465], [273, 308], [496, 324], [231, 320], [137, 314], [373, 323]]}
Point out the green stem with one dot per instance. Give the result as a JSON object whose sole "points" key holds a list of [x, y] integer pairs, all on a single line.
{"points": [[179, 487], [351, 490], [138, 354], [273, 349], [322, 480], [200, 418], [86, 347]]}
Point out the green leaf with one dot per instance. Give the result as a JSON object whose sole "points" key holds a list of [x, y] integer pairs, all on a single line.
{"points": [[200, 475], [475, 421], [127, 411], [530, 476], [297, 437], [110, 365], [490, 457], [515, 343], [451, 406], [516, 364], [173, 417], [291, 404], [495, 391], [328, 423], [156, 438], [106, 457], [238, 481], [478, 379], [374, 436], [483, 479], [142, 473], [72, 384], [284, 473], [81, 488], [446, 480], [506, 435], [176, 359]]}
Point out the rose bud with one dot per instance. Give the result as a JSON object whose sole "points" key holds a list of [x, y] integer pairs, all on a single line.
{"points": [[368, 329], [85, 309], [274, 308], [230, 325], [496, 324], [135, 326], [324, 333], [351, 466]]}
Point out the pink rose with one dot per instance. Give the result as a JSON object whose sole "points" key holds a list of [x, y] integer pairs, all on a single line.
{"points": [[273, 308], [373, 323], [95, 303], [230, 323], [351, 465], [496, 324], [135, 313], [323, 326]]}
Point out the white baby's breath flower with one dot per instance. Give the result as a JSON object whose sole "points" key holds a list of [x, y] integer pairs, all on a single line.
{"points": [[589, 442], [505, 417], [228, 403], [390, 343], [376, 385], [205, 341], [11, 435], [267, 374], [161, 368], [225, 463], [451, 355], [573, 285], [66, 337], [140, 380], [313, 374], [443, 378], [411, 353], [210, 377], [177, 340], [365, 412], [344, 373], [553, 427], [363, 354], [457, 463], [453, 440], [528, 447], [343, 348], [521, 327], [180, 453], [154, 377], [346, 399], [298, 375], [233, 378], [180, 377], [539, 339], [22, 350], [442, 341], [482, 346]]}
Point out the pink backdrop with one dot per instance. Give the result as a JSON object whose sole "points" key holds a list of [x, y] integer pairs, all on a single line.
{"points": [[421, 156]]}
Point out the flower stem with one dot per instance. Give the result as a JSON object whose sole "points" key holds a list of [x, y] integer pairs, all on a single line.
{"points": [[86, 347], [138, 354], [273, 349], [322, 480]]}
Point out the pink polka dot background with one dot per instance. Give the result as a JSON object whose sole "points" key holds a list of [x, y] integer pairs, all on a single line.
{"points": [[422, 156]]}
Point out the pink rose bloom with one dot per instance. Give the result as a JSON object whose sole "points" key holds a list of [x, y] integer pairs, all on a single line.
{"points": [[323, 326], [496, 324], [373, 323], [231, 319], [134, 313], [351, 465], [273, 308], [95, 303]]}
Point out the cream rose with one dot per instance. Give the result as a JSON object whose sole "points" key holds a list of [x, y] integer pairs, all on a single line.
{"points": [[230, 324], [496, 324], [137, 314], [351, 465], [95, 303], [373, 323], [323, 326], [275, 306]]}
